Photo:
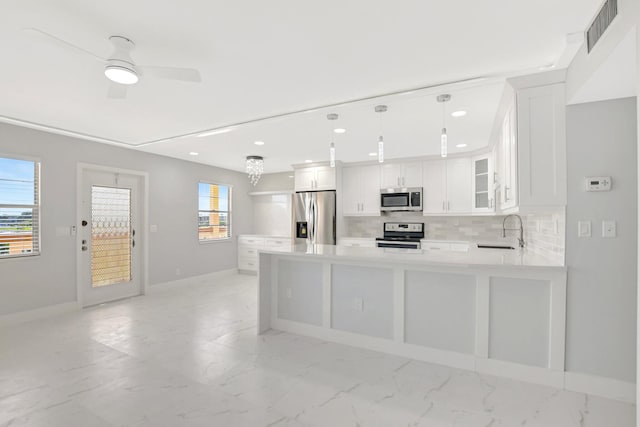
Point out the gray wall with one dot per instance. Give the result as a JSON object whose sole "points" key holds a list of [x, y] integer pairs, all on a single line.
{"points": [[33, 282], [601, 312], [275, 182]]}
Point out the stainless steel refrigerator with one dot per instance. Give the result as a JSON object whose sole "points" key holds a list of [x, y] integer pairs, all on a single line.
{"points": [[315, 217]]}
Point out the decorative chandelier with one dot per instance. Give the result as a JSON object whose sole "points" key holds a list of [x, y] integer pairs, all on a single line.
{"points": [[255, 167]]}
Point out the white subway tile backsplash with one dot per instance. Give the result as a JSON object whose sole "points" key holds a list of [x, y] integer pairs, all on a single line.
{"points": [[541, 233]]}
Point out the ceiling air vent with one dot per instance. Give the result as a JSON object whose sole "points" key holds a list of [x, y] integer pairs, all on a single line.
{"points": [[601, 23]]}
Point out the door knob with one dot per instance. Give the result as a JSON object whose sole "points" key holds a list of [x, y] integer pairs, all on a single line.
{"points": [[84, 248], [84, 223]]}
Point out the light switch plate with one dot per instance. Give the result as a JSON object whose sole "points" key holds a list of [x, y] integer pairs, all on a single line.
{"points": [[609, 228], [584, 228]]}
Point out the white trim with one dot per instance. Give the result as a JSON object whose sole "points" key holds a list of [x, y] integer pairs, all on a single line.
{"points": [[531, 374], [270, 193], [189, 281], [144, 176], [38, 313], [600, 386]]}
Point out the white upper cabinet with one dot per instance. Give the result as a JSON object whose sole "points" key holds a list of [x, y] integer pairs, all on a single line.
{"points": [[541, 146], [483, 184], [447, 187], [434, 192], [361, 191], [459, 186], [401, 175], [315, 178], [508, 160]]}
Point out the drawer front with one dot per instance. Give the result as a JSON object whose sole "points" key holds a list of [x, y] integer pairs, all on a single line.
{"points": [[460, 247], [251, 241], [277, 243], [436, 246], [247, 264], [248, 252], [362, 243]]}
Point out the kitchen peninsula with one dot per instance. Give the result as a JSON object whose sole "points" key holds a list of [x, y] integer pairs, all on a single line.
{"points": [[494, 311]]}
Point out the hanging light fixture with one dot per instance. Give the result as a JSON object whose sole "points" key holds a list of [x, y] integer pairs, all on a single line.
{"points": [[332, 147], [380, 109], [255, 167], [444, 144]]}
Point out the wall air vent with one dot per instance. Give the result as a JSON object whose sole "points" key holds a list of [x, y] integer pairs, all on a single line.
{"points": [[608, 12]]}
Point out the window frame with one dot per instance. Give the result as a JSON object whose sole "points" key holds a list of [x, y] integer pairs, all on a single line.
{"points": [[229, 213], [36, 235]]}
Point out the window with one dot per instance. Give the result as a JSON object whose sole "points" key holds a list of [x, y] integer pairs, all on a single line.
{"points": [[19, 207], [214, 212]]}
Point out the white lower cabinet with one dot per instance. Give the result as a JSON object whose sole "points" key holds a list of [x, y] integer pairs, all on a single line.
{"points": [[361, 191], [362, 242], [248, 247], [444, 245], [447, 187]]}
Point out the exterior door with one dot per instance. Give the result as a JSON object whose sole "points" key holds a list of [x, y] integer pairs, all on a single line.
{"points": [[111, 256]]}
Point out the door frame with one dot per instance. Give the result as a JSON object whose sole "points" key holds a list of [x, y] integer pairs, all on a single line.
{"points": [[144, 221]]}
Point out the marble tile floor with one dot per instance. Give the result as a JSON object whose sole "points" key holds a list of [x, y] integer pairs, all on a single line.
{"points": [[191, 357]]}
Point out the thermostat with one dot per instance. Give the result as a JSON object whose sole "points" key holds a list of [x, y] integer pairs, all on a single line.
{"points": [[599, 183]]}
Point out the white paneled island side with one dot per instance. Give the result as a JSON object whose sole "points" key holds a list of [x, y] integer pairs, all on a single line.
{"points": [[500, 312]]}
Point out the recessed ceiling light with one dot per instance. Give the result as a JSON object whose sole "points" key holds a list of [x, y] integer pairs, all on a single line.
{"points": [[259, 142], [459, 113], [461, 145], [340, 130], [308, 161], [193, 153], [215, 132], [122, 75], [373, 154]]}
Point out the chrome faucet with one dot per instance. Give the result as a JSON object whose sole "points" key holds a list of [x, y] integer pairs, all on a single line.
{"points": [[521, 229]]}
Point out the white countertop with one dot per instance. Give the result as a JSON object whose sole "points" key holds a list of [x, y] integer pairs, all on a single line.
{"points": [[473, 258]]}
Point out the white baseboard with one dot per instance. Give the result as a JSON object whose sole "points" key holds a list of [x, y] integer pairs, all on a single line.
{"points": [[600, 386], [38, 313], [187, 281], [530, 374]]}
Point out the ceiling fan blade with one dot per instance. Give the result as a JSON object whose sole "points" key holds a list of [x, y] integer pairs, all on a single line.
{"points": [[63, 43], [116, 91], [173, 73]]}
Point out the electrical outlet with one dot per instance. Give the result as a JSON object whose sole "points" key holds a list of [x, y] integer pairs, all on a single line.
{"points": [[358, 304], [584, 228], [608, 228]]}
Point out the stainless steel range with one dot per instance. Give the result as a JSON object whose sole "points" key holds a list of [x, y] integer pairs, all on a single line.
{"points": [[406, 235]]}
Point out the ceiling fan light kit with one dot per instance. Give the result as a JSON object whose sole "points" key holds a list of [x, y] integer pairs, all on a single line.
{"points": [[120, 68], [121, 75]]}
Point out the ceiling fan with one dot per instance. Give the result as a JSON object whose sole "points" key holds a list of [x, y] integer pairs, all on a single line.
{"points": [[120, 68]]}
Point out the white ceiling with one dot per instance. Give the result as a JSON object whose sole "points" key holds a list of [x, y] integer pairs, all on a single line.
{"points": [[616, 76], [260, 59]]}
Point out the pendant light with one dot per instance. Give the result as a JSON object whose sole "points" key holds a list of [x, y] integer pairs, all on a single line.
{"points": [[380, 109], [444, 143], [332, 147]]}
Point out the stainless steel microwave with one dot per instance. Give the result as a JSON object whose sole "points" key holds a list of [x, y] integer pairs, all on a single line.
{"points": [[401, 199]]}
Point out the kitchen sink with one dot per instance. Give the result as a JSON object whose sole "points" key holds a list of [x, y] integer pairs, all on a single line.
{"points": [[495, 246]]}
